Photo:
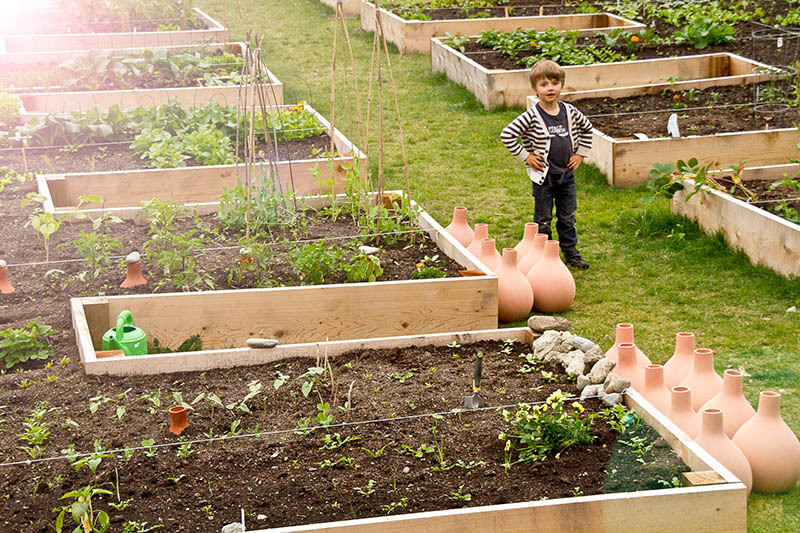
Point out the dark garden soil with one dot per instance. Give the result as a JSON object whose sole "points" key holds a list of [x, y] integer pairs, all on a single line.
{"points": [[699, 113], [118, 156], [282, 478], [760, 194], [57, 21]]}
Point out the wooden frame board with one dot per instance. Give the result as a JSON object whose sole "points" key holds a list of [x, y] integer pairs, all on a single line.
{"points": [[25, 49], [717, 507], [350, 8], [413, 36], [626, 162], [495, 88], [124, 191], [304, 319], [767, 239], [55, 101]]}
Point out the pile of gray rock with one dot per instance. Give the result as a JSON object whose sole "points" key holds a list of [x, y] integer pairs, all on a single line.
{"points": [[582, 358]]}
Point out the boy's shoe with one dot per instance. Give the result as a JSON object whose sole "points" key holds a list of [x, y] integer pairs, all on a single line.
{"points": [[573, 258]]}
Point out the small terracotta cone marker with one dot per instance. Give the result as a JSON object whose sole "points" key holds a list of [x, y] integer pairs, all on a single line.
{"points": [[5, 285], [134, 262], [178, 419]]}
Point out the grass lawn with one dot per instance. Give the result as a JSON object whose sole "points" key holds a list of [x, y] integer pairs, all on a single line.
{"points": [[647, 267]]}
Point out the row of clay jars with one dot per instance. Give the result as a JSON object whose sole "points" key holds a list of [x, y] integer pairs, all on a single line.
{"points": [[551, 281], [771, 449]]}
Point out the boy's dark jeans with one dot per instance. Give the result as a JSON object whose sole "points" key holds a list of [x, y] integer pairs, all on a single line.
{"points": [[558, 190]]}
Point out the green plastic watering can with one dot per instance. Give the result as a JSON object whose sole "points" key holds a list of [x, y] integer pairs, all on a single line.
{"points": [[126, 336]]}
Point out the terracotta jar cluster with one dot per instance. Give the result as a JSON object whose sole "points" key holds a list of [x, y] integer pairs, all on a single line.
{"points": [[530, 276], [756, 446]]}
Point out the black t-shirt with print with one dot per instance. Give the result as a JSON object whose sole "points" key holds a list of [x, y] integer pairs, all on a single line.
{"points": [[560, 143]]}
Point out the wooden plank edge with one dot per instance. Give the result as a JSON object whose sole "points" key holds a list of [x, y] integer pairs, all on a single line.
{"points": [[211, 359]]}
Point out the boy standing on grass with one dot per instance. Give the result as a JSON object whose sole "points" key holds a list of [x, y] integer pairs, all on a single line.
{"points": [[552, 138]]}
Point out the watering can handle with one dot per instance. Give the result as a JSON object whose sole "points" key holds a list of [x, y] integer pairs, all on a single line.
{"points": [[125, 318]]}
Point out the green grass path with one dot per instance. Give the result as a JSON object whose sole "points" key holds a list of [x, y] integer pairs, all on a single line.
{"points": [[647, 267]]}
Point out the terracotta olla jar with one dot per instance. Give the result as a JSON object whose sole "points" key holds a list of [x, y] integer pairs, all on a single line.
{"points": [[627, 367], [489, 255], [770, 446], [703, 379], [459, 228], [680, 364], [681, 412], [712, 438], [552, 282], [624, 333], [481, 232], [735, 408], [526, 244], [514, 293], [531, 258], [654, 390]]}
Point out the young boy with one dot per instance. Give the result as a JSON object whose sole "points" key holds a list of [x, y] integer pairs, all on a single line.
{"points": [[552, 138]]}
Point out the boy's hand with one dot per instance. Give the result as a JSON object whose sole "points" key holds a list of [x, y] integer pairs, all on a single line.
{"points": [[575, 161], [535, 161]]}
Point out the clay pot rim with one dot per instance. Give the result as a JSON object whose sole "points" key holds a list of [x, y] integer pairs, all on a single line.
{"points": [[626, 345], [770, 394], [540, 236], [712, 411], [703, 351], [487, 239], [651, 365], [176, 409], [681, 389], [625, 325], [684, 334], [460, 208], [733, 372]]}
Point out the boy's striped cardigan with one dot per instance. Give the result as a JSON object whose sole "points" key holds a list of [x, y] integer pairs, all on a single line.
{"points": [[531, 130]]}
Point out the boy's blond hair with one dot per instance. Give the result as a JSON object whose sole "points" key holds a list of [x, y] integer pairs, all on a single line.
{"points": [[547, 69]]}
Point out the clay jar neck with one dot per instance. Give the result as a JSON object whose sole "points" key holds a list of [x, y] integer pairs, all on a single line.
{"points": [[539, 240], [531, 231], [769, 405], [684, 344], [681, 398], [627, 354], [732, 382], [712, 423], [624, 333], [653, 375], [481, 231], [460, 215], [509, 259], [487, 246], [703, 361], [550, 251]]}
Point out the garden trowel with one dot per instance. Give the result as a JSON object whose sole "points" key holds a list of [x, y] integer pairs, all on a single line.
{"points": [[476, 400]]}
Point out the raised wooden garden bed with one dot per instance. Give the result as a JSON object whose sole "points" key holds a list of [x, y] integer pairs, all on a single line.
{"points": [[766, 238], [55, 101], [349, 7], [25, 49], [303, 319], [495, 88], [719, 504], [415, 35], [626, 162], [124, 191]]}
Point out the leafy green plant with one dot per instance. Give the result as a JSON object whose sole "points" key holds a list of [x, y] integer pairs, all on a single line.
{"points": [[456, 41], [36, 430], [88, 520], [363, 267], [427, 269], [268, 208], [20, 345], [175, 254], [316, 262], [41, 221], [333, 441], [702, 32], [10, 104], [541, 430], [460, 496]]}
